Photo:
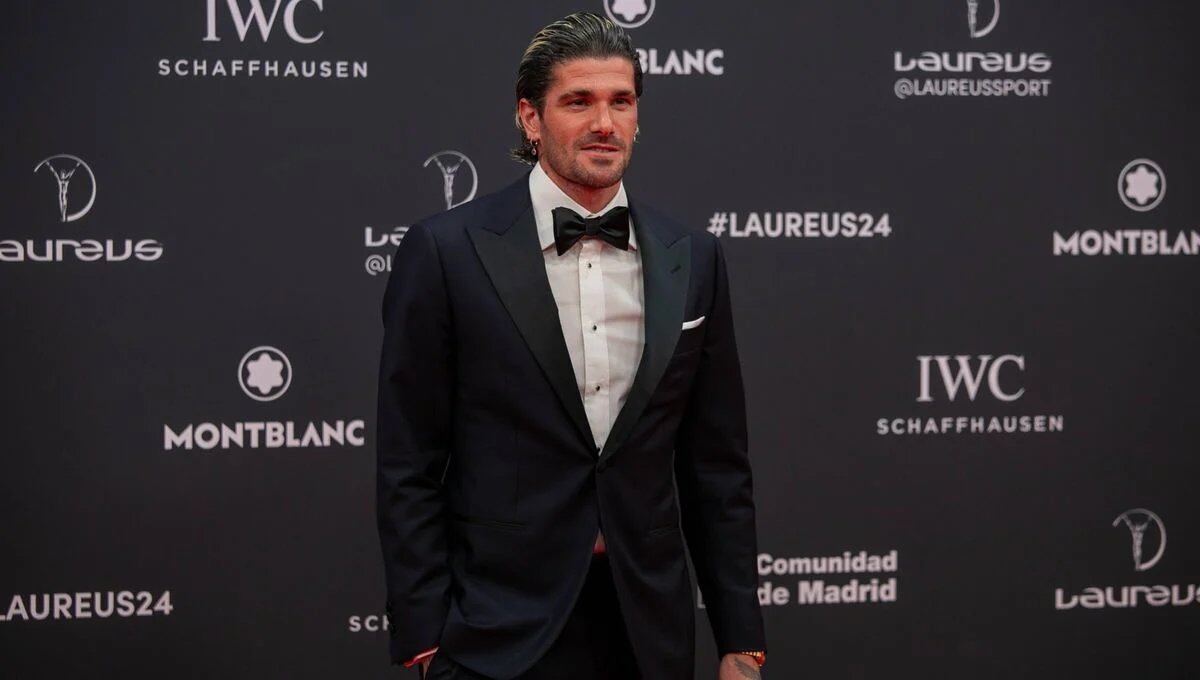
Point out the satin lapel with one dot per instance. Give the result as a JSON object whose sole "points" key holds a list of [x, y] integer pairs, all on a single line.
{"points": [[666, 270], [514, 263]]}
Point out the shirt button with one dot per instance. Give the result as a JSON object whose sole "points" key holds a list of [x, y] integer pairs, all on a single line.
{"points": [[593, 326], [597, 388], [589, 265]]}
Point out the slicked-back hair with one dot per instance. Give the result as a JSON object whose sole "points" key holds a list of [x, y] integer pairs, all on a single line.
{"points": [[575, 36]]}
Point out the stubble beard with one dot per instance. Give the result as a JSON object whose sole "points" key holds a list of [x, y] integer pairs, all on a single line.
{"points": [[568, 166]]}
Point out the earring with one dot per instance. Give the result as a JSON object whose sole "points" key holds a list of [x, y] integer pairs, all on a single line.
{"points": [[534, 144]]}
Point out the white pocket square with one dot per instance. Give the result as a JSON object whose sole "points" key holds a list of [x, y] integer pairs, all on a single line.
{"points": [[687, 325]]}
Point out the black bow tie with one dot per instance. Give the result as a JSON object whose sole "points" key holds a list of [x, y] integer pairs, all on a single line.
{"points": [[612, 226]]}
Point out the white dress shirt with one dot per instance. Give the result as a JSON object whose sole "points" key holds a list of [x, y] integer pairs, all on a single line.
{"points": [[598, 290]]}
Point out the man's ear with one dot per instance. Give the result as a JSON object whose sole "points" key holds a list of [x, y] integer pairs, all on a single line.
{"points": [[530, 119]]}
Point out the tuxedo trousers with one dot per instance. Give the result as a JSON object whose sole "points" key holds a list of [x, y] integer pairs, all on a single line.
{"points": [[593, 644]]}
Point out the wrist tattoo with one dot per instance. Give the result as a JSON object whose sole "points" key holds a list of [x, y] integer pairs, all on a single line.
{"points": [[747, 670]]}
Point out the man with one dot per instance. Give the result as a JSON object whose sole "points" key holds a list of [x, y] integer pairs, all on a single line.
{"points": [[558, 357]]}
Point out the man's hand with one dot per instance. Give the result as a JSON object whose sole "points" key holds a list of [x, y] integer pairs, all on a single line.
{"points": [[738, 667]]}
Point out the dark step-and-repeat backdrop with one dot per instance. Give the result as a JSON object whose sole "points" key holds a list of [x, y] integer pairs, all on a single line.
{"points": [[962, 238]]}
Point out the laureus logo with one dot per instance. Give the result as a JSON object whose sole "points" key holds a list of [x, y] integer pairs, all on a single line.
{"points": [[1142, 185], [629, 13], [1148, 539], [1141, 523], [974, 21], [65, 168], [976, 72], [450, 163], [75, 191]]}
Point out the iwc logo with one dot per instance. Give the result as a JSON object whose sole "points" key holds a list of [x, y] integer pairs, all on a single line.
{"points": [[275, 25], [257, 15], [1142, 185], [264, 373], [990, 377], [450, 163], [974, 21], [64, 167], [629, 13]]}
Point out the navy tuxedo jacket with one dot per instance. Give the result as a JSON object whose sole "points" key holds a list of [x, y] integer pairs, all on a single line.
{"points": [[490, 488]]}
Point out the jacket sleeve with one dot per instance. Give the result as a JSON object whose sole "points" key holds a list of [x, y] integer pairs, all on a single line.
{"points": [[712, 471], [413, 444]]}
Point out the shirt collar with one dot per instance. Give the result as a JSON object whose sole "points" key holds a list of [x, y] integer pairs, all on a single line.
{"points": [[546, 196]]}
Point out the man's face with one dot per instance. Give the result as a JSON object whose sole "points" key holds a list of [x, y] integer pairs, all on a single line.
{"points": [[586, 128]]}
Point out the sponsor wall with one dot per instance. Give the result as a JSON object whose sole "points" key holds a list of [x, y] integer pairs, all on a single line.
{"points": [[965, 296]]}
